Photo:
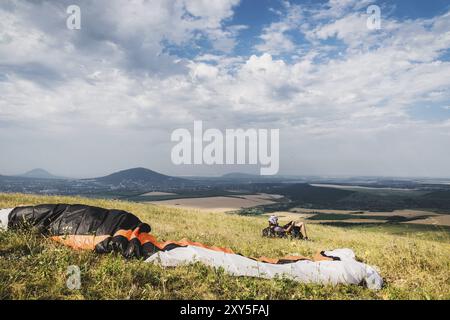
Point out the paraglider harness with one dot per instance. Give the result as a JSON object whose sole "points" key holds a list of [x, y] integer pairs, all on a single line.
{"points": [[271, 231]]}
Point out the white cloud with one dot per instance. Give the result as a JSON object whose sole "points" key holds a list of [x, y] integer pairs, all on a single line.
{"points": [[115, 74], [275, 38]]}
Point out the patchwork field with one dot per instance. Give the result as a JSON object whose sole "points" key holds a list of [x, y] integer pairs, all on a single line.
{"points": [[438, 220], [414, 263], [158, 193], [328, 216], [221, 203]]}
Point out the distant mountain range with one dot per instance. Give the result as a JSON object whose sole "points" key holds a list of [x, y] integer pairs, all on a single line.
{"points": [[118, 183], [130, 178], [39, 174], [374, 195], [140, 177]]}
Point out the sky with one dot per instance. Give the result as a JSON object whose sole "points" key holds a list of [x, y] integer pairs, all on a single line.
{"points": [[347, 99]]}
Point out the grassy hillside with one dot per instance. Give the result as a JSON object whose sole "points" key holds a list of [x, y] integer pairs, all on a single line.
{"points": [[32, 267]]}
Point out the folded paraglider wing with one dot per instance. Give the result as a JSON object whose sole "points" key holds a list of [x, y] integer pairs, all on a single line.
{"points": [[93, 228], [85, 227], [103, 230], [344, 270]]}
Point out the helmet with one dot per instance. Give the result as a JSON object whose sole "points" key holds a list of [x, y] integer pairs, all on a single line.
{"points": [[273, 220]]}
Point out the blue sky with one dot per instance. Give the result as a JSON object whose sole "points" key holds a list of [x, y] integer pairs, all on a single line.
{"points": [[256, 17], [348, 100]]}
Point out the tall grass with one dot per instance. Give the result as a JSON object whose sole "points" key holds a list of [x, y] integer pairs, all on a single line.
{"points": [[32, 267]]}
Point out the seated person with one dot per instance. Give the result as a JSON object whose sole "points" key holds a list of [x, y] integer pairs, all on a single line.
{"points": [[294, 228]]}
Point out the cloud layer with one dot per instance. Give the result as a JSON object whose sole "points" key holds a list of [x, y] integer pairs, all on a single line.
{"points": [[348, 100]]}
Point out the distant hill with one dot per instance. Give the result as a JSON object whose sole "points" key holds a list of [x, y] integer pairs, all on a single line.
{"points": [[140, 177], [239, 175], [308, 196], [39, 173]]}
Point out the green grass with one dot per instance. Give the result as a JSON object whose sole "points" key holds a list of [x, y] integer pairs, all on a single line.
{"points": [[32, 267]]}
